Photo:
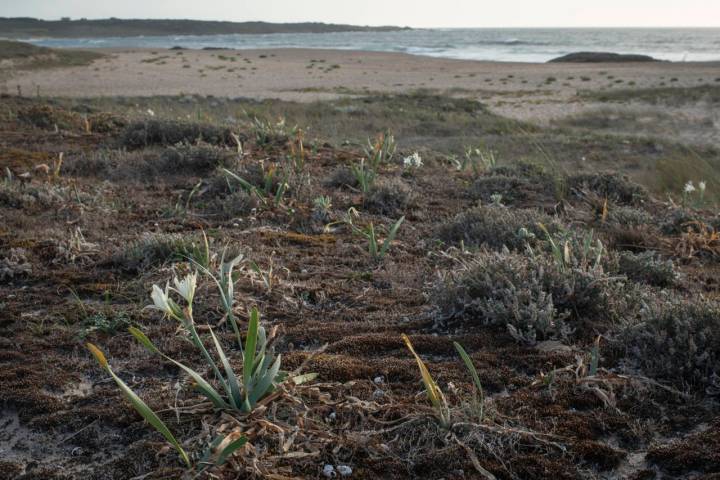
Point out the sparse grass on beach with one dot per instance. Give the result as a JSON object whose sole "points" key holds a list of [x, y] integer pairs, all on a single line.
{"points": [[664, 95], [28, 56]]}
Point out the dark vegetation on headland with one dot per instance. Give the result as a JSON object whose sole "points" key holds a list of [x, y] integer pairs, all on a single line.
{"points": [[116, 27], [587, 303], [602, 57]]}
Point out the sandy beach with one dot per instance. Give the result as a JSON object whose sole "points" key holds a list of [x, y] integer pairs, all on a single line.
{"points": [[536, 92]]}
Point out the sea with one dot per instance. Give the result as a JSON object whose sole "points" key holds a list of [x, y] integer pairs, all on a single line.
{"points": [[492, 44]]}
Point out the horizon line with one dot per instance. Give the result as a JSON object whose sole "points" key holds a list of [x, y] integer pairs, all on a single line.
{"points": [[55, 19]]}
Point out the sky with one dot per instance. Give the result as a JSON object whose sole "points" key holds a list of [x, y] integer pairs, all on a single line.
{"points": [[413, 13]]}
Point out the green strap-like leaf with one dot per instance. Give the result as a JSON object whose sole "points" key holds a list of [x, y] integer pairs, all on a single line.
{"points": [[372, 241], [250, 344], [473, 373], [235, 397], [229, 450], [265, 382], [391, 236], [201, 384], [141, 407]]}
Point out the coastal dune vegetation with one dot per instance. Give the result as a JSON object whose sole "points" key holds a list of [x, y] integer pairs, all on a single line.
{"points": [[385, 285]]}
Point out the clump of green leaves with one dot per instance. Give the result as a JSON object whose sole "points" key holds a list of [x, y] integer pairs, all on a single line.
{"points": [[435, 394], [219, 450], [227, 390], [381, 150], [322, 206], [476, 159], [573, 250], [364, 176], [376, 249], [269, 191], [267, 131]]}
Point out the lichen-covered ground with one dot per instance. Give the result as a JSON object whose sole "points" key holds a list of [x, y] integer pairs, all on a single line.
{"points": [[599, 359]]}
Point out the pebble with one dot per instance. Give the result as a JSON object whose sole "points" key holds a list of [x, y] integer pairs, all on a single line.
{"points": [[344, 470], [329, 471]]}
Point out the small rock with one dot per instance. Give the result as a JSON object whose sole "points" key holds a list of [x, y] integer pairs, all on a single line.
{"points": [[344, 470], [329, 471], [379, 380], [552, 346]]}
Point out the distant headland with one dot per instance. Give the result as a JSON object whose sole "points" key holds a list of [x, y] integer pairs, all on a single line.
{"points": [[22, 27]]}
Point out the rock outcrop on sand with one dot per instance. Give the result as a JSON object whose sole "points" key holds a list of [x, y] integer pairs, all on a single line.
{"points": [[601, 57]]}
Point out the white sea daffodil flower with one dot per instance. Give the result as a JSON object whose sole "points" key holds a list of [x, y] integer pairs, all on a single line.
{"points": [[702, 185], [689, 187], [163, 302], [186, 286], [414, 161]]}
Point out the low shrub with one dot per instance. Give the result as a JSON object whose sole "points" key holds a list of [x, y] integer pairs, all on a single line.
{"points": [[496, 226], [154, 249], [647, 267], [145, 133], [512, 189], [533, 296], [180, 159], [614, 186], [388, 197], [626, 215], [676, 341], [235, 204], [342, 177], [14, 264], [195, 158]]}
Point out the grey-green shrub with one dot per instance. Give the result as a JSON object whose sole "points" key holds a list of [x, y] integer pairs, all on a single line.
{"points": [[614, 186], [533, 296], [677, 341], [389, 197], [647, 267], [142, 134], [154, 249], [341, 177], [495, 227], [195, 158], [627, 215]]}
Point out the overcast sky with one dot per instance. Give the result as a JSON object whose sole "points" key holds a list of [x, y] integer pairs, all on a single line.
{"points": [[414, 13]]}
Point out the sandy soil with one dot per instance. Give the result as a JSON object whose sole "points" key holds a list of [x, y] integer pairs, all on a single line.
{"points": [[537, 92]]}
